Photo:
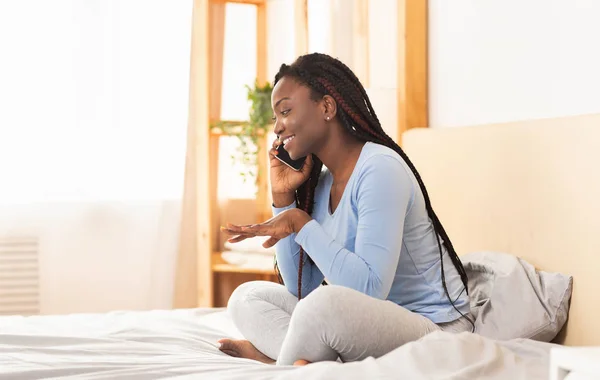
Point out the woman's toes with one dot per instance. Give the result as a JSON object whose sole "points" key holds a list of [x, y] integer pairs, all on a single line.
{"points": [[229, 347], [301, 362]]}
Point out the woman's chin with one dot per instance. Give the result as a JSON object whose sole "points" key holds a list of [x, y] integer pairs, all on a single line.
{"points": [[292, 154], [296, 156], [295, 152]]}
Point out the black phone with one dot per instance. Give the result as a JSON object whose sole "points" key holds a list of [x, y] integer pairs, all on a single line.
{"points": [[284, 157]]}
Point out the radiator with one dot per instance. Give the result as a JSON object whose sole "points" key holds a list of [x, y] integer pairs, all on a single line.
{"points": [[19, 276]]}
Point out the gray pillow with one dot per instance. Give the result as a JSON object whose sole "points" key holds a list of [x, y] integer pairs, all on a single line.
{"points": [[510, 299]]}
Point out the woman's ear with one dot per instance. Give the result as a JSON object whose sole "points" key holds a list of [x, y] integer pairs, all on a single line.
{"points": [[329, 107]]}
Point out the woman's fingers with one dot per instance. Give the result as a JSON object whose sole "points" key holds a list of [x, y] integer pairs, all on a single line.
{"points": [[229, 230], [258, 230], [238, 238], [240, 233], [236, 227], [247, 231], [273, 151], [235, 230]]}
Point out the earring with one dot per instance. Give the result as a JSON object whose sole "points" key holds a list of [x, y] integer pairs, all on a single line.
{"points": [[327, 118]]}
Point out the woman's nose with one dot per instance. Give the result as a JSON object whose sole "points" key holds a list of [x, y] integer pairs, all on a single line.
{"points": [[278, 128]]}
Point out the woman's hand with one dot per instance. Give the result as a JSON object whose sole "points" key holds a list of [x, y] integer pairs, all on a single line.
{"points": [[278, 227], [285, 180]]}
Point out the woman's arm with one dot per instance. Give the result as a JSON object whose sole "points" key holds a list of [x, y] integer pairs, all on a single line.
{"points": [[384, 193], [288, 256]]}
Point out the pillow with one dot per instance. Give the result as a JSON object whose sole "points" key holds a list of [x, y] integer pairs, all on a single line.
{"points": [[510, 299]]}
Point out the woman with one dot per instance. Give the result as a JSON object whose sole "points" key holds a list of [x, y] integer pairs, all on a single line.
{"points": [[364, 223]]}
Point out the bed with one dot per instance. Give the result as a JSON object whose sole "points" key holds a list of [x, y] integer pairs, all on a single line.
{"points": [[522, 194]]}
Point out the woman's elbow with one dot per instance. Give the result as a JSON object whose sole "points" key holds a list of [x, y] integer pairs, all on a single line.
{"points": [[376, 289]]}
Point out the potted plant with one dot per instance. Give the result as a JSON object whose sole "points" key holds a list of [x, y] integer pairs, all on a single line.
{"points": [[249, 132]]}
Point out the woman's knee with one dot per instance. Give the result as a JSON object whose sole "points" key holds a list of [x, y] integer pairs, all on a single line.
{"points": [[322, 302], [326, 294], [243, 297]]}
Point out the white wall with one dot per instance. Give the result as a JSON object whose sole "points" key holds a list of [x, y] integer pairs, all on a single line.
{"points": [[100, 256], [280, 32], [93, 120], [489, 61], [383, 66], [498, 61]]}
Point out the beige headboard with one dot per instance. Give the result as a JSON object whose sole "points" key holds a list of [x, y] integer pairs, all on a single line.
{"points": [[528, 188]]}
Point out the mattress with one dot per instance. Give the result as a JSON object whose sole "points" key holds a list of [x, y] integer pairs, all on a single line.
{"points": [[182, 344]]}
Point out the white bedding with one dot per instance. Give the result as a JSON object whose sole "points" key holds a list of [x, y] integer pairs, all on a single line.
{"points": [[182, 344]]}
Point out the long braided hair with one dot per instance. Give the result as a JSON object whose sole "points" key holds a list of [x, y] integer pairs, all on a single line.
{"points": [[325, 75]]}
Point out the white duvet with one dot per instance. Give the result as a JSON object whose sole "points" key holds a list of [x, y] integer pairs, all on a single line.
{"points": [[181, 344]]}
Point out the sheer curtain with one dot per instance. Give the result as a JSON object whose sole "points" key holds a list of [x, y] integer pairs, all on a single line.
{"points": [[94, 108]]}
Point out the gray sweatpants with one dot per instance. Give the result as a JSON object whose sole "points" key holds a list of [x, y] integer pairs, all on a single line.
{"points": [[331, 322]]}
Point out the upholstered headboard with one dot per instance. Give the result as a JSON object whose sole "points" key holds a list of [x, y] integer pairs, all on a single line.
{"points": [[528, 188]]}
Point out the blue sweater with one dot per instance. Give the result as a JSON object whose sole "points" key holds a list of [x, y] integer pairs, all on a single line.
{"points": [[379, 240]]}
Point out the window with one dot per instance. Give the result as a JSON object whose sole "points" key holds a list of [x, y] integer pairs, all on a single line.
{"points": [[239, 60], [94, 99], [239, 70]]}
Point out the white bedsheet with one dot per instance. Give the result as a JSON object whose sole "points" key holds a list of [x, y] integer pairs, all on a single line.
{"points": [[181, 344]]}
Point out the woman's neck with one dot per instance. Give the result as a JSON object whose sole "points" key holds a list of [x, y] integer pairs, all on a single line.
{"points": [[340, 155]]}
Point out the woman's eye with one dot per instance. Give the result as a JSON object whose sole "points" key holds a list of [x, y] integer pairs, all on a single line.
{"points": [[285, 112]]}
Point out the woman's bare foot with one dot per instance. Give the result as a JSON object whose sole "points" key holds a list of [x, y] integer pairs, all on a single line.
{"points": [[243, 349], [301, 362]]}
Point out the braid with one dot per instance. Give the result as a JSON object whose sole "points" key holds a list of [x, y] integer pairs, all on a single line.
{"points": [[305, 201], [325, 75], [305, 207]]}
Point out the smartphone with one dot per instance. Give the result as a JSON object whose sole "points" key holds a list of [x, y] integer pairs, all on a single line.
{"points": [[284, 157]]}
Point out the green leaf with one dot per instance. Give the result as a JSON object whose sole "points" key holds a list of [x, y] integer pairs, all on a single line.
{"points": [[248, 132]]}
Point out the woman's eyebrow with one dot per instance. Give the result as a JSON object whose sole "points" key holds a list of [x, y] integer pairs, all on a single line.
{"points": [[281, 100]]}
